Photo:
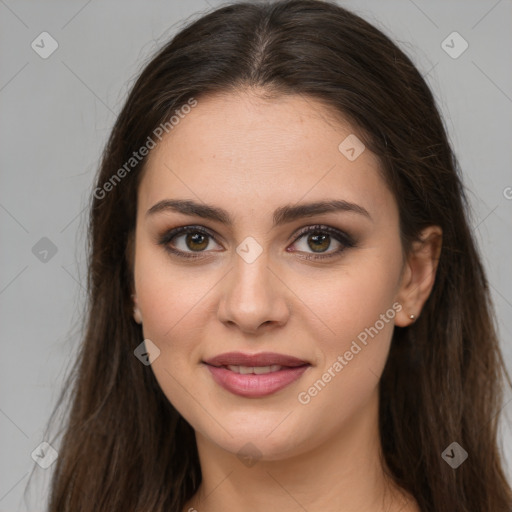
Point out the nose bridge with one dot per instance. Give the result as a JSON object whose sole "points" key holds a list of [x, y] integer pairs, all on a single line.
{"points": [[252, 294], [251, 276]]}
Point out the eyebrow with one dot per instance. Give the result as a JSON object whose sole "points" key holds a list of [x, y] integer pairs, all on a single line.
{"points": [[282, 215]]}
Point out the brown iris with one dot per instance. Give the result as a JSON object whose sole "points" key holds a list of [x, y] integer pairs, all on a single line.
{"points": [[320, 242], [196, 241]]}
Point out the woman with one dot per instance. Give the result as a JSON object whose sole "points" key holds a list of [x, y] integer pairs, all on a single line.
{"points": [[287, 310]]}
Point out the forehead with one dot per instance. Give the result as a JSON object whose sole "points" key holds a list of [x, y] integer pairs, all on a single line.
{"points": [[244, 151]]}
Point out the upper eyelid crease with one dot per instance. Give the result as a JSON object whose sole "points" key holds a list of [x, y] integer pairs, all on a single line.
{"points": [[281, 215]]}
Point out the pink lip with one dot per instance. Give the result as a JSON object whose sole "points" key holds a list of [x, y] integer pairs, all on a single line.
{"points": [[252, 385]]}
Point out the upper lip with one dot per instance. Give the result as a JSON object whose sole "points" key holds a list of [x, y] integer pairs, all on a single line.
{"points": [[261, 359]]}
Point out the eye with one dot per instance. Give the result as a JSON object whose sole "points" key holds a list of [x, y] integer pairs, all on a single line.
{"points": [[193, 239], [319, 239]]}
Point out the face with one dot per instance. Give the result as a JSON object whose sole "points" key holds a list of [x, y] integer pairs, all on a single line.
{"points": [[269, 274]]}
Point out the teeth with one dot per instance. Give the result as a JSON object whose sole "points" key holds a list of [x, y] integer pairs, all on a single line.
{"points": [[258, 370]]}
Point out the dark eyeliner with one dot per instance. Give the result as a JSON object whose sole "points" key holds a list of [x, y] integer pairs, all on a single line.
{"points": [[343, 238], [166, 238]]}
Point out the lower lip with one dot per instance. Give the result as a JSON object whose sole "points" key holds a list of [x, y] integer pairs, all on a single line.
{"points": [[251, 385]]}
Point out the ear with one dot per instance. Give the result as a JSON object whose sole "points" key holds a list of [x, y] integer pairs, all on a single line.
{"points": [[137, 315], [419, 275]]}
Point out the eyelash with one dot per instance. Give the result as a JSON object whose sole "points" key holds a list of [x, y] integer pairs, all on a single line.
{"points": [[343, 238]]}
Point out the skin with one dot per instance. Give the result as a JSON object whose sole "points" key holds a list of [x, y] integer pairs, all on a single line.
{"points": [[250, 156]]}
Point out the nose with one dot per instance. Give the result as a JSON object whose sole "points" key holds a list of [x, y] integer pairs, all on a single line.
{"points": [[254, 297]]}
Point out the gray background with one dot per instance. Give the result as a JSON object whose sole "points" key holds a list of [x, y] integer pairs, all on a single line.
{"points": [[56, 114]]}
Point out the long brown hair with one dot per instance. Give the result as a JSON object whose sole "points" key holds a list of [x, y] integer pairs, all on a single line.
{"points": [[125, 447]]}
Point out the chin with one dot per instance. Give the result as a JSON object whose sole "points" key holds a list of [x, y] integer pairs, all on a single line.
{"points": [[257, 444]]}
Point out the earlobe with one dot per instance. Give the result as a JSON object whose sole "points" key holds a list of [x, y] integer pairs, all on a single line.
{"points": [[419, 275], [137, 315]]}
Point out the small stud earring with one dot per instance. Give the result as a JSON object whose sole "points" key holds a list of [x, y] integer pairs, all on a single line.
{"points": [[412, 317], [137, 316]]}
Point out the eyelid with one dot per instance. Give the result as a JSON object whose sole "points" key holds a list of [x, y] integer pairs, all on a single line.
{"points": [[337, 233], [168, 235]]}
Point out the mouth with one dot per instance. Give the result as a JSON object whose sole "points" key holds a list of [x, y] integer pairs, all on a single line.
{"points": [[257, 370], [255, 375]]}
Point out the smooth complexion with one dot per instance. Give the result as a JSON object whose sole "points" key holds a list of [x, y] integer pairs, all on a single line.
{"points": [[250, 157]]}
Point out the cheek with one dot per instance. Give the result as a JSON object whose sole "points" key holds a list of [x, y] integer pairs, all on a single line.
{"points": [[172, 299], [168, 294], [358, 305], [169, 298], [352, 300]]}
